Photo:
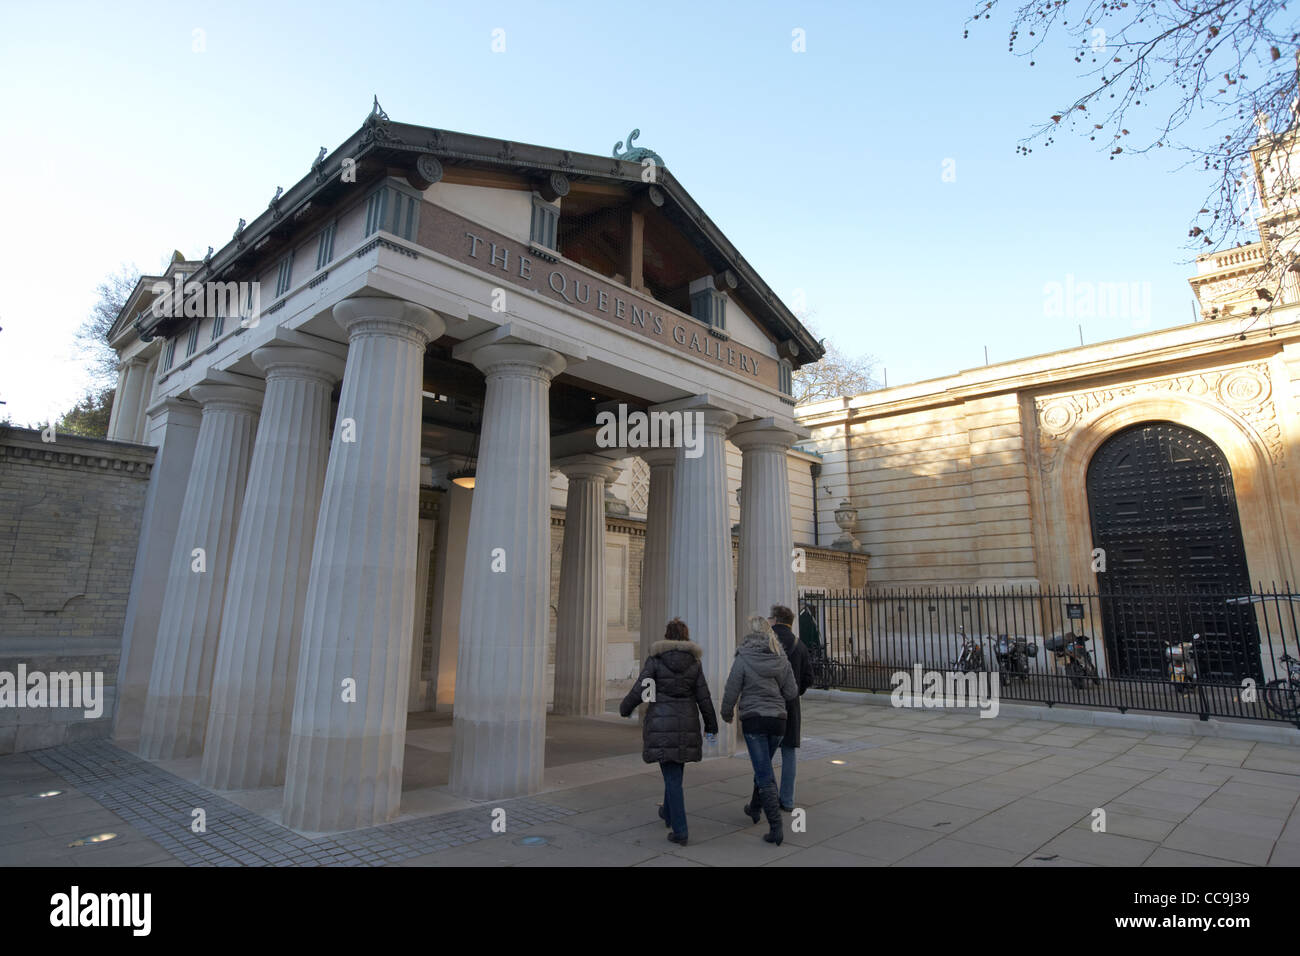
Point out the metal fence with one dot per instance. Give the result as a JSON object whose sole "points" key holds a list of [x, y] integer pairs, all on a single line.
{"points": [[1208, 653]]}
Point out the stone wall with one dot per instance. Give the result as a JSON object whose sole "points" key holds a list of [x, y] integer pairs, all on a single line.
{"points": [[70, 513], [979, 479], [942, 493]]}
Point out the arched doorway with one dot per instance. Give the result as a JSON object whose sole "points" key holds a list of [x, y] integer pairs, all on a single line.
{"points": [[1163, 508]]}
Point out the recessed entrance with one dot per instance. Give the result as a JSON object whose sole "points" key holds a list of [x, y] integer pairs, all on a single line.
{"points": [[1164, 511]]}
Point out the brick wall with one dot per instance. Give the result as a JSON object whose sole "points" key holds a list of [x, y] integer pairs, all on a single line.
{"points": [[70, 513]]}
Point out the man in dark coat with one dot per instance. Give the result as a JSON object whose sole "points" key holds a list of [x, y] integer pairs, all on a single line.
{"points": [[782, 620], [672, 684]]}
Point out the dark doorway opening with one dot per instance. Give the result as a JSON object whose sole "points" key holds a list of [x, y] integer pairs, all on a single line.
{"points": [[1164, 511]]}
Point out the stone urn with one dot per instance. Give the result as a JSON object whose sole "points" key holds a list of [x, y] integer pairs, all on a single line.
{"points": [[846, 519]]}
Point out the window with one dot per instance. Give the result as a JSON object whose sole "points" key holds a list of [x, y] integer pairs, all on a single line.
{"points": [[219, 317], [545, 224], [708, 304], [376, 206], [283, 275], [325, 247], [170, 355], [392, 210], [192, 343], [786, 377], [615, 585]]}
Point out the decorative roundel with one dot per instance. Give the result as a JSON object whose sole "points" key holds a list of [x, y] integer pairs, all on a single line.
{"points": [[1243, 387], [429, 168], [559, 184], [656, 195], [1058, 416]]}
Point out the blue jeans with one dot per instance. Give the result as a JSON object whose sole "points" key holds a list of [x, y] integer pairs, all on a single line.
{"points": [[788, 760], [674, 798], [761, 747]]}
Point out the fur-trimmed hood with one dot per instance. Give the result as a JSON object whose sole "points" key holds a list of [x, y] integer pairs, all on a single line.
{"points": [[664, 646]]}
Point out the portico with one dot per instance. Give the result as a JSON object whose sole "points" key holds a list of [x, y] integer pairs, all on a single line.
{"points": [[473, 306]]}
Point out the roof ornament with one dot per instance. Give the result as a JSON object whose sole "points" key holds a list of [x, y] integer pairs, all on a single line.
{"points": [[274, 204], [207, 258], [631, 155], [375, 128], [239, 233]]}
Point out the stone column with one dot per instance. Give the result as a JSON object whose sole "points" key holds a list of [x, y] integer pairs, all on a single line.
{"points": [[426, 536], [658, 529], [175, 432], [500, 711], [141, 425], [700, 583], [580, 627], [126, 403], [765, 575], [176, 711], [348, 729], [257, 656]]}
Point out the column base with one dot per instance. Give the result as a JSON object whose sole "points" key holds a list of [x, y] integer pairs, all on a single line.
{"points": [[327, 802], [493, 760]]}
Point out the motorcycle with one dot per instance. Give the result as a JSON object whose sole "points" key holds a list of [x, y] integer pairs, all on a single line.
{"points": [[971, 658], [1282, 696], [1072, 651], [1013, 655], [1182, 661]]}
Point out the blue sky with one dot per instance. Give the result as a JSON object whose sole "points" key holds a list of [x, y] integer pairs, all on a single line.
{"points": [[825, 168]]}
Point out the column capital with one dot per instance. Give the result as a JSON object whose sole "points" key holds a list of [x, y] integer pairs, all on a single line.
{"points": [[518, 359], [763, 433], [175, 407], [716, 415], [371, 314], [577, 467], [293, 361], [219, 395], [658, 457]]}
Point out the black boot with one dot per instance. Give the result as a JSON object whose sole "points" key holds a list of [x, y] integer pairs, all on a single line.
{"points": [[772, 807], [754, 809], [663, 815]]}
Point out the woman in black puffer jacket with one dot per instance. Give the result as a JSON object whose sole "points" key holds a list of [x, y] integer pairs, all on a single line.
{"points": [[672, 684]]}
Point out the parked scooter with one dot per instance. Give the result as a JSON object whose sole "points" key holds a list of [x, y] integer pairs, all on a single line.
{"points": [[971, 658], [1072, 650], [1182, 662], [1013, 655]]}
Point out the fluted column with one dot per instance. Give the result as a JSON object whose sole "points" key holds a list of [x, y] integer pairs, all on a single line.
{"points": [[348, 729], [765, 574], [126, 403], [658, 530], [580, 627], [176, 711], [700, 584], [257, 656], [500, 711]]}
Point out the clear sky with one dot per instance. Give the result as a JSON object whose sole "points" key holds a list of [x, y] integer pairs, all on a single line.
{"points": [[826, 168]]}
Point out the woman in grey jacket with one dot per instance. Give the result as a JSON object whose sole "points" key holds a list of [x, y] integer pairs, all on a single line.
{"points": [[762, 680]]}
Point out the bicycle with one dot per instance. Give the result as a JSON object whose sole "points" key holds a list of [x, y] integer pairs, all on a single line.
{"points": [[1282, 695]]}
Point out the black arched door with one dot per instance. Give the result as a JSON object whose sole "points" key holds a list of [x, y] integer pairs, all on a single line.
{"points": [[1163, 508]]}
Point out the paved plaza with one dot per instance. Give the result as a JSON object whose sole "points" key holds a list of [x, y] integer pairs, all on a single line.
{"points": [[879, 787]]}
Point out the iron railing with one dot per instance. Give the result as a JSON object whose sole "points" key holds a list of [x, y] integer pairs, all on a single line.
{"points": [[1238, 650]]}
